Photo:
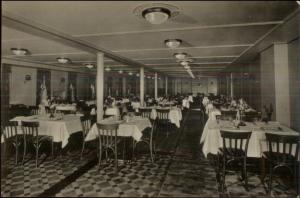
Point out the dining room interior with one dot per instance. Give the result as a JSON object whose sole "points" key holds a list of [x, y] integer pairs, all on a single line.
{"points": [[150, 99]]}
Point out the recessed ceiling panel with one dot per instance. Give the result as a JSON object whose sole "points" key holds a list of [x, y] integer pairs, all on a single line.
{"points": [[90, 17], [190, 38]]}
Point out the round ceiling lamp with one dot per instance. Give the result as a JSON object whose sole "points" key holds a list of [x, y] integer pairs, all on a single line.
{"points": [[130, 73], [137, 75], [120, 72], [173, 43], [19, 51], [89, 65], [187, 67], [180, 56], [107, 69], [63, 60], [156, 15]]}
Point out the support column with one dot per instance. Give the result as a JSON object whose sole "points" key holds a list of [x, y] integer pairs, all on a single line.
{"points": [[282, 86], [166, 85], [100, 87], [155, 86], [124, 86], [231, 85], [142, 86]]}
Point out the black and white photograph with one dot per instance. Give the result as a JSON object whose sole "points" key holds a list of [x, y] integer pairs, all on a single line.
{"points": [[150, 99]]}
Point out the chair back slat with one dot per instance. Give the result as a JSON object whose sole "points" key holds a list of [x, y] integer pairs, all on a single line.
{"points": [[163, 114], [146, 113], [10, 129], [86, 124], [107, 134], [281, 146], [236, 140], [30, 128]]}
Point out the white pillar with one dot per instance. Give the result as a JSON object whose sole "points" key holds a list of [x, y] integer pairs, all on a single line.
{"points": [[166, 85], [124, 86], [142, 86], [282, 84], [100, 85], [231, 85], [155, 86]]}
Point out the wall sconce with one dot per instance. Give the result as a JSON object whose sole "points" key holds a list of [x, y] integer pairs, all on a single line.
{"points": [[27, 78], [62, 80]]}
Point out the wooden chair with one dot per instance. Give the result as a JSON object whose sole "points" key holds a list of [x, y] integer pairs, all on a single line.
{"points": [[282, 151], [86, 125], [251, 116], [11, 135], [235, 148], [148, 138], [145, 113], [34, 110], [163, 119], [107, 136], [31, 133], [226, 115]]}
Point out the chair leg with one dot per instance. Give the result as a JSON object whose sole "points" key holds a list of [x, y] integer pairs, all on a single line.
{"points": [[83, 144], [17, 149], [36, 153], [116, 158], [24, 150], [223, 174], [52, 147], [151, 150], [245, 174], [99, 156], [270, 179]]}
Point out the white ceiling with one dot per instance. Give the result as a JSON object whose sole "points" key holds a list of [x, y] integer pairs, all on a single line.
{"points": [[214, 34]]}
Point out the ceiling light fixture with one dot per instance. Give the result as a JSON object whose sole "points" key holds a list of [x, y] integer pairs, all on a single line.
{"points": [[63, 60], [156, 15], [130, 73], [19, 51], [120, 72], [89, 65], [173, 43], [137, 75], [107, 69], [186, 67], [180, 56]]}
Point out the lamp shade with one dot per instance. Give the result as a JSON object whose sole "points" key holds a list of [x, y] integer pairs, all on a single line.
{"points": [[156, 15], [173, 43], [180, 56], [19, 51], [90, 66], [63, 60]]}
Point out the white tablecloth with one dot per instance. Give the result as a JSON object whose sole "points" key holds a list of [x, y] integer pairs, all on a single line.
{"points": [[257, 143], [66, 107], [133, 128], [90, 102], [112, 111], [175, 114], [60, 130]]}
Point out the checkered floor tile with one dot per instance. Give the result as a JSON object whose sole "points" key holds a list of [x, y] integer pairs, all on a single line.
{"points": [[180, 170], [27, 180]]}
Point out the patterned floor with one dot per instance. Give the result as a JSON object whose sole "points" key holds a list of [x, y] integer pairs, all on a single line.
{"points": [[180, 170]]}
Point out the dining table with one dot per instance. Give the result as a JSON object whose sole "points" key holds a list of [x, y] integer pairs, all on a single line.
{"points": [[132, 127], [257, 142], [175, 114], [60, 127]]}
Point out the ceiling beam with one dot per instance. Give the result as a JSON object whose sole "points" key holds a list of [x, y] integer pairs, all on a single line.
{"points": [[34, 64], [184, 28], [263, 37], [20, 23]]}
